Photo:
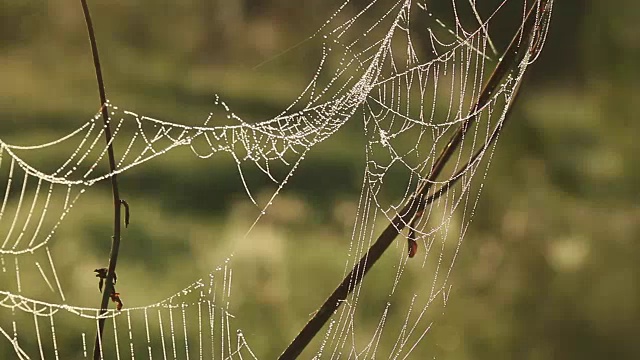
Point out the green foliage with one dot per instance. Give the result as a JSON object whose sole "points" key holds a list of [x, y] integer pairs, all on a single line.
{"points": [[549, 267]]}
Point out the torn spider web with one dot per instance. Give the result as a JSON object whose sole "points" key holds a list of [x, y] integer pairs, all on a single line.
{"points": [[408, 74]]}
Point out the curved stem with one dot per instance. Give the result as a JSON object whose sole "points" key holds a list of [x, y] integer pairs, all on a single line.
{"points": [[115, 244]]}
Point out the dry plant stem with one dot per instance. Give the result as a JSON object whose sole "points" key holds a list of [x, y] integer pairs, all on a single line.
{"points": [[494, 136], [509, 61], [115, 245]]}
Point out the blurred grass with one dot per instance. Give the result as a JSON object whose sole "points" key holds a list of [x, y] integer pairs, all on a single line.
{"points": [[549, 268]]}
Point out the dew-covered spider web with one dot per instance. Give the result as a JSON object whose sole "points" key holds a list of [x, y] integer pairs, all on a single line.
{"points": [[409, 72]]}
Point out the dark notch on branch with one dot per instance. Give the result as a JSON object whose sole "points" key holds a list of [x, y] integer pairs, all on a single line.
{"points": [[509, 61], [115, 244], [127, 216]]}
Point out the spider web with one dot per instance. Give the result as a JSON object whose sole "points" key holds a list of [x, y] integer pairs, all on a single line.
{"points": [[411, 77]]}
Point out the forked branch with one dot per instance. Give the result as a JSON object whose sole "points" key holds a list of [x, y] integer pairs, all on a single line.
{"points": [[527, 34], [115, 244]]}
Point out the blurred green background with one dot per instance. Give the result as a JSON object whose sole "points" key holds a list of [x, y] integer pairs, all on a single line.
{"points": [[550, 266]]}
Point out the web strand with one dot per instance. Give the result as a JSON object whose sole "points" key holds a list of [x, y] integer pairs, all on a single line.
{"points": [[406, 75]]}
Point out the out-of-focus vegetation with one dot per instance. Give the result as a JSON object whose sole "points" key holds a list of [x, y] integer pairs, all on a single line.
{"points": [[550, 268]]}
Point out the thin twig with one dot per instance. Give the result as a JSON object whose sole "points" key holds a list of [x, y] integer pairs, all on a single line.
{"points": [[115, 244], [416, 203], [492, 139]]}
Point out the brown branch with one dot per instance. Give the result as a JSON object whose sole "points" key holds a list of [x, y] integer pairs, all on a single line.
{"points": [[509, 60], [492, 139], [115, 244]]}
